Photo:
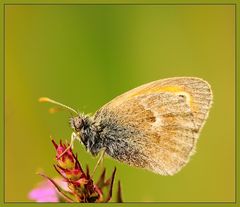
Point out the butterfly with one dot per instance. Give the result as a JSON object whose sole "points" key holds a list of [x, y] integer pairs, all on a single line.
{"points": [[154, 126]]}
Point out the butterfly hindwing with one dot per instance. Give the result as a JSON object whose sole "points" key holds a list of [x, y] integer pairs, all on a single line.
{"points": [[156, 126]]}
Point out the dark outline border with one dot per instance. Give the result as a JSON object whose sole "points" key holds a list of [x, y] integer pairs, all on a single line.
{"points": [[124, 4], [4, 107], [236, 109]]}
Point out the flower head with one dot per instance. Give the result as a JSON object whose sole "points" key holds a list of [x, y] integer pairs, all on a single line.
{"points": [[80, 185]]}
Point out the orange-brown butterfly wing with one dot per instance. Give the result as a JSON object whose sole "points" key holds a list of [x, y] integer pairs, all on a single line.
{"points": [[168, 115], [197, 91]]}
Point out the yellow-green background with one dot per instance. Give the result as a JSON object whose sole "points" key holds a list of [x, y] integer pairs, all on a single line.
{"points": [[85, 55]]}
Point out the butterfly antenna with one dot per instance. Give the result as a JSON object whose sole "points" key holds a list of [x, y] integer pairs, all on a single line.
{"points": [[46, 99]]}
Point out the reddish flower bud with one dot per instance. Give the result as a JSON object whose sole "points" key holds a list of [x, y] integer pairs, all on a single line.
{"points": [[64, 155], [81, 187]]}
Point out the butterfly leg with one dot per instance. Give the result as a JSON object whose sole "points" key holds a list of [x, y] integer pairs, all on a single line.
{"points": [[74, 137], [99, 161]]}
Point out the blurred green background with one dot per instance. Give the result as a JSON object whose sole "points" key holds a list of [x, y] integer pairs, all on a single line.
{"points": [[85, 55]]}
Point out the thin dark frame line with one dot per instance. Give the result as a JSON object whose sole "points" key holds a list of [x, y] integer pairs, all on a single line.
{"points": [[134, 202], [125, 4], [236, 110], [118, 4], [4, 113]]}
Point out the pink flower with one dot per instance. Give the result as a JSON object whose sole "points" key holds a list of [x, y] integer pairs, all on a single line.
{"points": [[46, 191]]}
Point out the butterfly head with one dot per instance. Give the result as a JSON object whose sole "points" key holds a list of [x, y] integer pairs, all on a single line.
{"points": [[77, 123], [83, 127], [85, 131]]}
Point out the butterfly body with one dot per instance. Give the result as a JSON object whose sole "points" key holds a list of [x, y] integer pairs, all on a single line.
{"points": [[110, 136], [154, 126]]}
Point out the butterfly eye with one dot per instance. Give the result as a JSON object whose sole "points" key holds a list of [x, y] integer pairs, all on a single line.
{"points": [[76, 123]]}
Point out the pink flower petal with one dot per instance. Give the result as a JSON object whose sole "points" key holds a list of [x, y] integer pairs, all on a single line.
{"points": [[46, 191]]}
